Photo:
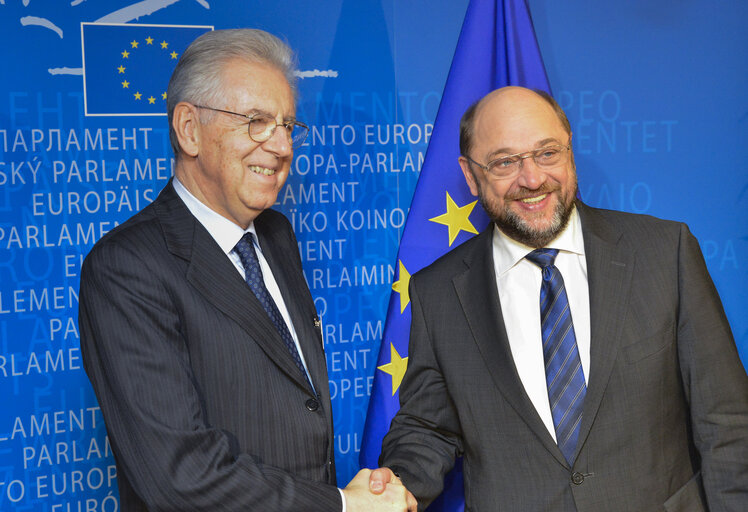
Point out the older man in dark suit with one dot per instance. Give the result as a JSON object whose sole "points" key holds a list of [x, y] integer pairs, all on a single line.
{"points": [[198, 330], [579, 359]]}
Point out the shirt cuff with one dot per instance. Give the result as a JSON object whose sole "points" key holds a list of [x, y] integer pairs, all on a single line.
{"points": [[342, 497]]}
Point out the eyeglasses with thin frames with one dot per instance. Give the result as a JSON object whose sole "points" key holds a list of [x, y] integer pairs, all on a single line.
{"points": [[261, 127], [509, 166]]}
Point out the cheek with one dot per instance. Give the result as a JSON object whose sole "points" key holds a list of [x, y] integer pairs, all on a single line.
{"points": [[567, 176], [570, 182], [281, 180], [501, 189], [218, 157]]}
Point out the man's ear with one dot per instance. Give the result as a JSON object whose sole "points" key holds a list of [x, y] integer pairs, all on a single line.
{"points": [[469, 178], [186, 125]]}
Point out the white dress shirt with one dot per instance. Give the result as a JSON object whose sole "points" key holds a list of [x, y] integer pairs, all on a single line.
{"points": [[227, 234], [519, 281]]}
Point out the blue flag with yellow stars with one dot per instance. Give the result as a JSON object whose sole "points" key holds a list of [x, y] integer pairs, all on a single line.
{"points": [[126, 67], [496, 48]]}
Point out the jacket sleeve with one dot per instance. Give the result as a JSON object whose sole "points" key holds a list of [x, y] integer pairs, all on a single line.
{"points": [[424, 437], [138, 362], [715, 382]]}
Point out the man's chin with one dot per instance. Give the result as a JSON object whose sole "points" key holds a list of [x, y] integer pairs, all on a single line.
{"points": [[533, 230], [527, 236]]}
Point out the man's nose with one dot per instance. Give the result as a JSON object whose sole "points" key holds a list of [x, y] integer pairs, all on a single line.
{"points": [[279, 143], [531, 175]]}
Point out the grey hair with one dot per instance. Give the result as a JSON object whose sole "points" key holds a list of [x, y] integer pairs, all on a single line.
{"points": [[466, 129], [198, 74]]}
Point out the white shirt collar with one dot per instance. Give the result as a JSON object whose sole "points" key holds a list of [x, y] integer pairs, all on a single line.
{"points": [[508, 252], [223, 231]]}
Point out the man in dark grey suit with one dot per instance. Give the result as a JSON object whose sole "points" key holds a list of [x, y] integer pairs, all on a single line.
{"points": [[578, 358], [199, 333]]}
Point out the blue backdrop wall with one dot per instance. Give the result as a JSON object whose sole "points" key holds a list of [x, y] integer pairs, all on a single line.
{"points": [[655, 92]]}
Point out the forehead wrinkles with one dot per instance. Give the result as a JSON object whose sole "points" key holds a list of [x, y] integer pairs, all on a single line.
{"points": [[259, 87]]}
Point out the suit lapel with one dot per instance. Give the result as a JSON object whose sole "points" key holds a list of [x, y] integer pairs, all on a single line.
{"points": [[479, 298], [282, 254], [282, 257], [214, 276], [610, 265]]}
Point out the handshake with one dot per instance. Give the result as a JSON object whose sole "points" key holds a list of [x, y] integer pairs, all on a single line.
{"points": [[371, 491]]}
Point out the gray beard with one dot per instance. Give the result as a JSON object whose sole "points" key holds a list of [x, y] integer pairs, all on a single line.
{"points": [[516, 228]]}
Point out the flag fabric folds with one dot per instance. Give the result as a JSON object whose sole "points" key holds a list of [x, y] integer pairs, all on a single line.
{"points": [[126, 67], [496, 47]]}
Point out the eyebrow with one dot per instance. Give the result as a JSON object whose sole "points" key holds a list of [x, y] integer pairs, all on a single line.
{"points": [[254, 111], [508, 151]]}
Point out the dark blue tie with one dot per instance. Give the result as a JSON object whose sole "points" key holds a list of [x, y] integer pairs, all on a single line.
{"points": [[563, 368], [253, 275]]}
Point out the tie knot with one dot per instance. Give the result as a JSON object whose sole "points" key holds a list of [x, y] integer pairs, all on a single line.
{"points": [[246, 250], [543, 257], [247, 238]]}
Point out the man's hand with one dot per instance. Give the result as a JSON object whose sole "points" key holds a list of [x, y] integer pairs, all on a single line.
{"points": [[390, 494], [380, 478]]}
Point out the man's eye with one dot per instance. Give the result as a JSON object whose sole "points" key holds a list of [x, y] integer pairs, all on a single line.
{"points": [[504, 163], [260, 123], [548, 153]]}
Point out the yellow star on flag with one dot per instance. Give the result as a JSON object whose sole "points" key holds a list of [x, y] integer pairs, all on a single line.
{"points": [[125, 84], [401, 286], [134, 44], [121, 69], [174, 55], [456, 218], [396, 368], [164, 45], [163, 95], [125, 54], [151, 100], [137, 95], [148, 40]]}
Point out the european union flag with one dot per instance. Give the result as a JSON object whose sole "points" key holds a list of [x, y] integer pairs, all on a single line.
{"points": [[496, 47], [126, 67]]}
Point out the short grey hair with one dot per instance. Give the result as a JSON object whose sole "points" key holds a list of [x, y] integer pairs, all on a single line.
{"points": [[198, 74], [466, 129]]}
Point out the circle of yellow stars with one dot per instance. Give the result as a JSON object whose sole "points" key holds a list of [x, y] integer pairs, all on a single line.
{"points": [[122, 69]]}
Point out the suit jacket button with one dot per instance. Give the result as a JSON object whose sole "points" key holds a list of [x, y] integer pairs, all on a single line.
{"points": [[312, 404], [577, 478]]}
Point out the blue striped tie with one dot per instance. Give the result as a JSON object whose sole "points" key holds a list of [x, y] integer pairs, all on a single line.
{"points": [[253, 275], [563, 368]]}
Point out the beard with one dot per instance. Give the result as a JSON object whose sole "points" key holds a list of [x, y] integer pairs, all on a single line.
{"points": [[523, 230]]}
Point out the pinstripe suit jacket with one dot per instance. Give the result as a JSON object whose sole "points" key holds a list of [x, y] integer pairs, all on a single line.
{"points": [[204, 406], [665, 420]]}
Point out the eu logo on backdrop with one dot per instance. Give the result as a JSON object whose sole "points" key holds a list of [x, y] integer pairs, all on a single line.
{"points": [[126, 67]]}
